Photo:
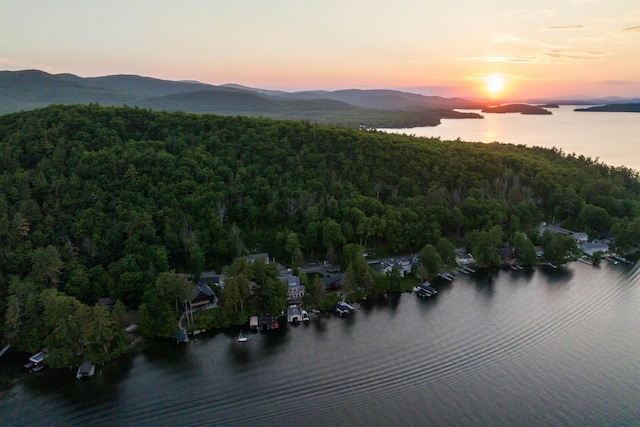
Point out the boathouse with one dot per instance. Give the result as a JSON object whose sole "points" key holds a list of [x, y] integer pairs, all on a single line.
{"points": [[294, 315]]}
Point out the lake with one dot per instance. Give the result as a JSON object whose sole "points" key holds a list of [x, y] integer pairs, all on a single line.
{"points": [[536, 347], [613, 138]]}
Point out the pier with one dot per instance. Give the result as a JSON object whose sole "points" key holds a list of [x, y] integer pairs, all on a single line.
{"points": [[466, 270], [447, 276], [343, 308]]}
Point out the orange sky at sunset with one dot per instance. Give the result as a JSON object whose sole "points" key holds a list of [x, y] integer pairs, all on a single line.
{"points": [[546, 48]]}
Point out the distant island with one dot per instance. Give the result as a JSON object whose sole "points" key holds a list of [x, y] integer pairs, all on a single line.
{"points": [[614, 108], [549, 106], [516, 108]]}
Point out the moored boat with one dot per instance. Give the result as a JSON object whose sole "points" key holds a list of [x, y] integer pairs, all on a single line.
{"points": [[86, 369]]}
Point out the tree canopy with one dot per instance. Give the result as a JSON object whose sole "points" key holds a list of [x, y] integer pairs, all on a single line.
{"points": [[99, 201]]}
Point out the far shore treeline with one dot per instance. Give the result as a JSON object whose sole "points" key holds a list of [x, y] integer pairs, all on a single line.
{"points": [[114, 202]]}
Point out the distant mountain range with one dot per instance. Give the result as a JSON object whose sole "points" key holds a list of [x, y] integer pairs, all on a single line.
{"points": [[30, 89]]}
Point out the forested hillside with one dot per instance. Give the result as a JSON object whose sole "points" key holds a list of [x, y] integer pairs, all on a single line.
{"points": [[98, 201]]}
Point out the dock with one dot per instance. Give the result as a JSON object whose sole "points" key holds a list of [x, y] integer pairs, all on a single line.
{"points": [[343, 308], [424, 290], [612, 260], [447, 276], [423, 293], [35, 362], [466, 270], [621, 259]]}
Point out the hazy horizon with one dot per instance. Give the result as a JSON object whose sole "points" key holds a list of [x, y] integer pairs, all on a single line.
{"points": [[463, 48]]}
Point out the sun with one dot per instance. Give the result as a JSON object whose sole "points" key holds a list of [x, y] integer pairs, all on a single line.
{"points": [[495, 83]]}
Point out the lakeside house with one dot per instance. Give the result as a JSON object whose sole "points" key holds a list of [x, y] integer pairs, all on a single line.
{"points": [[254, 257], [404, 264], [295, 289], [507, 254], [580, 237], [212, 278], [332, 280], [464, 258], [107, 303], [590, 248], [202, 297]]}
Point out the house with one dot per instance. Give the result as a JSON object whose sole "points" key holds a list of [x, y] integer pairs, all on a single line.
{"points": [[591, 248], [296, 290], [254, 257], [403, 265], [580, 236], [212, 278], [107, 303], [381, 266], [202, 296], [464, 258], [539, 251], [332, 280], [506, 253]]}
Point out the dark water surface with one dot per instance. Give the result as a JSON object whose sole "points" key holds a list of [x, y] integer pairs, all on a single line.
{"points": [[530, 348]]}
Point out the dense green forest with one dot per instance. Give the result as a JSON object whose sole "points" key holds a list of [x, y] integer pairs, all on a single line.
{"points": [[104, 201]]}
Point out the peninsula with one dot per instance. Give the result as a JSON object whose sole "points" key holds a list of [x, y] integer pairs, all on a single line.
{"points": [[613, 108]]}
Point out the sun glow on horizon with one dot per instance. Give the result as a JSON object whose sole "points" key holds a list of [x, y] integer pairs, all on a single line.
{"points": [[494, 83]]}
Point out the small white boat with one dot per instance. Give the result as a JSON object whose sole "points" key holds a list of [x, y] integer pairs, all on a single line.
{"points": [[242, 339], [87, 369]]}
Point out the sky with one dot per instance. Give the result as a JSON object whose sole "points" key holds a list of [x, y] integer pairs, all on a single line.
{"points": [[499, 49]]}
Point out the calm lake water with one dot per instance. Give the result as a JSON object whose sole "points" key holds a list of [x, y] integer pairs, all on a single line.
{"points": [[614, 138], [498, 348]]}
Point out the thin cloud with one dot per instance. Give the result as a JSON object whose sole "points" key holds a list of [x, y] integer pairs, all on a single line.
{"points": [[558, 54], [523, 59], [565, 27], [548, 56], [508, 77], [632, 29]]}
